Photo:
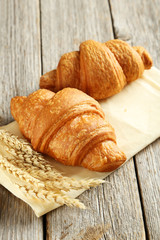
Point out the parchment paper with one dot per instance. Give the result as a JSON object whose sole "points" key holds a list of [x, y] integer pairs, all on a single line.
{"points": [[135, 115]]}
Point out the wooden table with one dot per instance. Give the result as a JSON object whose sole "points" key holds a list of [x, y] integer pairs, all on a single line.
{"points": [[34, 34]]}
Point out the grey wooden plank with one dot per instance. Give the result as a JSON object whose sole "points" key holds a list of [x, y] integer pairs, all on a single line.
{"points": [[20, 65], [115, 207], [17, 220], [113, 212], [148, 170], [138, 22], [140, 26], [20, 70], [66, 23]]}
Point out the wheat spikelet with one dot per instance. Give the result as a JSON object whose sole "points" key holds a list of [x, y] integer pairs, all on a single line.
{"points": [[42, 194], [23, 150], [40, 168], [31, 167], [18, 173], [66, 183]]}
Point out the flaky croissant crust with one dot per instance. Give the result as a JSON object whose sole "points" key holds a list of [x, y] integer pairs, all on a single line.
{"points": [[69, 126], [98, 69]]}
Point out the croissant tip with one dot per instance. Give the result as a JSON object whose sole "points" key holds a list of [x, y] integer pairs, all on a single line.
{"points": [[147, 60], [108, 167], [45, 83], [113, 167], [145, 56], [15, 104], [47, 80], [148, 63]]}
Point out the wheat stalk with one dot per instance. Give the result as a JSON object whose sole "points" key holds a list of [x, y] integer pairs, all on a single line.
{"points": [[28, 165], [38, 167], [18, 173], [42, 194]]}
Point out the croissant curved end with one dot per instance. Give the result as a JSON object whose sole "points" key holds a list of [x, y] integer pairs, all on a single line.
{"points": [[15, 106], [48, 80], [105, 157], [145, 56]]}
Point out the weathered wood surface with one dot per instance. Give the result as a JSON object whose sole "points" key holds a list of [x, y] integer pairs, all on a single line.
{"points": [[113, 212], [20, 70], [140, 26], [114, 209], [148, 169], [116, 205], [17, 220]]}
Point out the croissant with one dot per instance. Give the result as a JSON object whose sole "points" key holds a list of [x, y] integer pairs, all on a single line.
{"points": [[69, 126], [98, 69]]}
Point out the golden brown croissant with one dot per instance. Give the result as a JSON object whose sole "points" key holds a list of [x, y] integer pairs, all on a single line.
{"points": [[69, 126], [98, 69]]}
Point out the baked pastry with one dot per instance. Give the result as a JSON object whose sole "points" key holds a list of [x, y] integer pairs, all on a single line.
{"points": [[69, 126], [98, 69]]}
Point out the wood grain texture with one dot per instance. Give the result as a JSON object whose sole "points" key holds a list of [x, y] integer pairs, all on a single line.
{"points": [[67, 23], [114, 209], [140, 25], [20, 52], [148, 171], [17, 220], [20, 70], [113, 212], [138, 22]]}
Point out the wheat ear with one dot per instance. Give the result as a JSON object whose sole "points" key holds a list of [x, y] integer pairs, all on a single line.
{"points": [[31, 167], [58, 198]]}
